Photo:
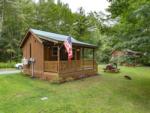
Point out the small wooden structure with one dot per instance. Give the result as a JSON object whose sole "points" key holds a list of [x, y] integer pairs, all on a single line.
{"points": [[126, 54], [50, 56]]}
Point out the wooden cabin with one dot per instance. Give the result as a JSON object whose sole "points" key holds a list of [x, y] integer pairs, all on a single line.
{"points": [[51, 59]]}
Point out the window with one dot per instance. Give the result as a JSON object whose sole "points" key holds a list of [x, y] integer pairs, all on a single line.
{"points": [[54, 51]]}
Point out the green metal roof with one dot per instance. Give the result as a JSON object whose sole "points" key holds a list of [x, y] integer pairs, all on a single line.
{"points": [[58, 37]]}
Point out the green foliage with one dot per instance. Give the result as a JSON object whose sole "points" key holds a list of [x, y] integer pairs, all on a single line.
{"points": [[122, 5], [16, 17], [107, 45], [133, 28], [7, 65]]}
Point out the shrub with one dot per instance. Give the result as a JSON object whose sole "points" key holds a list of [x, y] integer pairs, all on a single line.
{"points": [[7, 64]]}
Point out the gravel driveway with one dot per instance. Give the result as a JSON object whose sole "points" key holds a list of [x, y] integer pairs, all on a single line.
{"points": [[9, 71]]}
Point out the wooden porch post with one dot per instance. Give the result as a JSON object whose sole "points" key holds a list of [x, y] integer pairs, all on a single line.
{"points": [[93, 57], [83, 57], [58, 59]]}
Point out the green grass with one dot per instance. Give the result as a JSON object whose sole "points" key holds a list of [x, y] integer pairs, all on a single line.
{"points": [[7, 65], [107, 93]]}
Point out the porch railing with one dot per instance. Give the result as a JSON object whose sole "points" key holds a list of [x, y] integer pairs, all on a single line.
{"points": [[50, 66], [65, 66]]}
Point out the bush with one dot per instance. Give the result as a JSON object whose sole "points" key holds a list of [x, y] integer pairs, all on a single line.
{"points": [[7, 64], [146, 60], [103, 55]]}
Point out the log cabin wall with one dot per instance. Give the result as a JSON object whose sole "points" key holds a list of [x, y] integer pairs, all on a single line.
{"points": [[34, 49]]}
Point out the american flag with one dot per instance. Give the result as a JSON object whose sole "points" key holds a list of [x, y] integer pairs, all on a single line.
{"points": [[68, 46]]}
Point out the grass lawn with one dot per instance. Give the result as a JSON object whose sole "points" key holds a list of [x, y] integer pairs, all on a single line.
{"points": [[107, 93]]}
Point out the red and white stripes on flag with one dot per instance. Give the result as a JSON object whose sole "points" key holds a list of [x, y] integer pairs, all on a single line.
{"points": [[68, 46]]}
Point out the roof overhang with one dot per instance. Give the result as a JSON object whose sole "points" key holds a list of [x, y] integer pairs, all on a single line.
{"points": [[40, 38], [27, 36]]}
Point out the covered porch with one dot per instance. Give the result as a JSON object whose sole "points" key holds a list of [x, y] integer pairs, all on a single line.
{"points": [[56, 59]]}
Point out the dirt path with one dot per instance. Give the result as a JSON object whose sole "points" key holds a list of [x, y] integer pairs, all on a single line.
{"points": [[8, 71]]}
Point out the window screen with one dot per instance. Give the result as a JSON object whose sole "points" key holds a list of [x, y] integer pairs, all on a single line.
{"points": [[54, 51]]}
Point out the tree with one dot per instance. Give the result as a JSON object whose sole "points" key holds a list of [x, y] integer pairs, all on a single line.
{"points": [[133, 27]]}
